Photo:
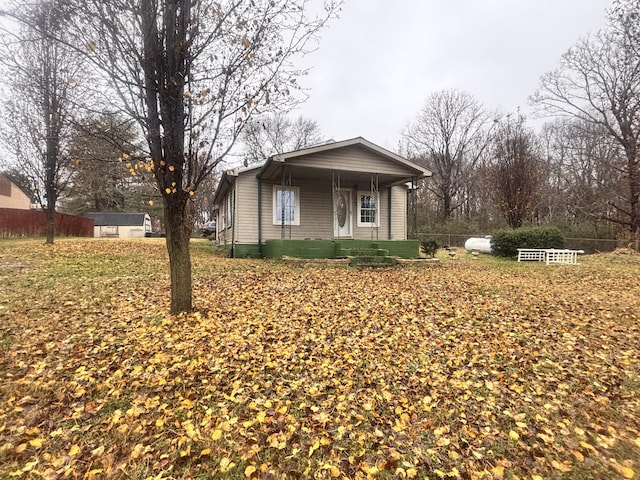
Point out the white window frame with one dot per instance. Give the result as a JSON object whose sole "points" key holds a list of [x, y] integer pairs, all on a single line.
{"points": [[226, 211], [277, 217], [362, 193]]}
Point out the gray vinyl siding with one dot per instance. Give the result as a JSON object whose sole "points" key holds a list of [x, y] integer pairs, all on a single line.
{"points": [[381, 232], [398, 213], [247, 208], [350, 158], [316, 216], [223, 233], [316, 213]]}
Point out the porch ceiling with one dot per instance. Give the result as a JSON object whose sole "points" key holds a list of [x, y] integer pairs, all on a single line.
{"points": [[273, 173]]}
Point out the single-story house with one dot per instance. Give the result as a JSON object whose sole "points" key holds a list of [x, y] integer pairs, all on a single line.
{"points": [[11, 196], [120, 225], [319, 201]]}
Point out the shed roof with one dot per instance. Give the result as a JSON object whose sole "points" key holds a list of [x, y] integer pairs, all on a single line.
{"points": [[116, 218]]}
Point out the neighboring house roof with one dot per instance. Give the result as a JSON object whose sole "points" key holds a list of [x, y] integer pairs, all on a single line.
{"points": [[12, 196], [272, 165], [117, 219]]}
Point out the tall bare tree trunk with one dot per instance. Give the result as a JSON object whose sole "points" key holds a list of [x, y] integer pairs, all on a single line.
{"points": [[178, 236]]}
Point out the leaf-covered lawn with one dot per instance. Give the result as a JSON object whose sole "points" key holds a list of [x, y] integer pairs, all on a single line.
{"points": [[473, 369]]}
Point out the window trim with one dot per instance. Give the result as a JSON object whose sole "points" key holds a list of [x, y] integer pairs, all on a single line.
{"points": [[277, 220], [360, 223]]}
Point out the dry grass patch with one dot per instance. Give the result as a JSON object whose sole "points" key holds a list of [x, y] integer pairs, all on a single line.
{"points": [[478, 369]]}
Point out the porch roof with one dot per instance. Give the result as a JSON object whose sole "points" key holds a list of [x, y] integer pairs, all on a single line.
{"points": [[320, 161]]}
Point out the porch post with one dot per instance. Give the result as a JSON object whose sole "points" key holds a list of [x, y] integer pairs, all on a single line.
{"points": [[260, 216], [413, 209], [375, 195], [389, 214], [335, 191]]}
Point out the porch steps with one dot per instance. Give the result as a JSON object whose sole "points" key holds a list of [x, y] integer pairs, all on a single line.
{"points": [[372, 261], [368, 257]]}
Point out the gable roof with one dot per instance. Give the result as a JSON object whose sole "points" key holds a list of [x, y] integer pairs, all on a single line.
{"points": [[361, 142], [272, 165], [117, 219]]}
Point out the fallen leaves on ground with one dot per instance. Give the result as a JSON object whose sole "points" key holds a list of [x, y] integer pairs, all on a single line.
{"points": [[478, 369]]}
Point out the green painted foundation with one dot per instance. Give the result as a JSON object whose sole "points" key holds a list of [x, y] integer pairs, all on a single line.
{"points": [[336, 248], [244, 251]]}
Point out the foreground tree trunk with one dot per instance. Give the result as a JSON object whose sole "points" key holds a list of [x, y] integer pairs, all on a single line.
{"points": [[178, 228], [192, 74]]}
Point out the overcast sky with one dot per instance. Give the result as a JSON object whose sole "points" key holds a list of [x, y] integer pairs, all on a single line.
{"points": [[377, 64]]}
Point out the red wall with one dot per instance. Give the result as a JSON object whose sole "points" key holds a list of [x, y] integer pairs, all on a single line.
{"points": [[32, 223]]}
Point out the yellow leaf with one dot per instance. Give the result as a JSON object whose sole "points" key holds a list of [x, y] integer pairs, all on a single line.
{"points": [[249, 471], [93, 473], [29, 466], [443, 441], [626, 471], [74, 450], [514, 435], [137, 451], [563, 467], [21, 448], [217, 434], [314, 447], [412, 472], [536, 477], [226, 464], [96, 452], [205, 452], [498, 471], [578, 455], [36, 442]]}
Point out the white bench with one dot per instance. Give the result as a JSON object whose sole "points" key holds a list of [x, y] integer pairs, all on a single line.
{"points": [[567, 257], [549, 255], [531, 255]]}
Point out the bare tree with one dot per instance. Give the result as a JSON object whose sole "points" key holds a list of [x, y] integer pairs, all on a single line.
{"points": [[598, 81], [277, 133], [449, 136], [192, 73], [105, 151], [585, 168], [40, 74], [515, 170]]}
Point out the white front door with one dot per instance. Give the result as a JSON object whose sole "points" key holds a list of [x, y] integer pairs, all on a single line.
{"points": [[342, 214]]}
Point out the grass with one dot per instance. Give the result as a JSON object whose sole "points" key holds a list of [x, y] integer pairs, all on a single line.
{"points": [[474, 369]]}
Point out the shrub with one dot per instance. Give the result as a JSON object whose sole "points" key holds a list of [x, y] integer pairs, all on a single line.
{"points": [[505, 243], [429, 246]]}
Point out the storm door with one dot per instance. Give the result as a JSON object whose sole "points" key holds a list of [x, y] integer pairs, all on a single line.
{"points": [[342, 214]]}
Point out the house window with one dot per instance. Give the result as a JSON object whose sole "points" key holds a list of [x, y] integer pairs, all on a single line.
{"points": [[368, 212], [227, 211], [286, 205]]}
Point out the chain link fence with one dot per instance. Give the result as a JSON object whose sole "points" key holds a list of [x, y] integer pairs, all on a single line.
{"points": [[589, 245]]}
